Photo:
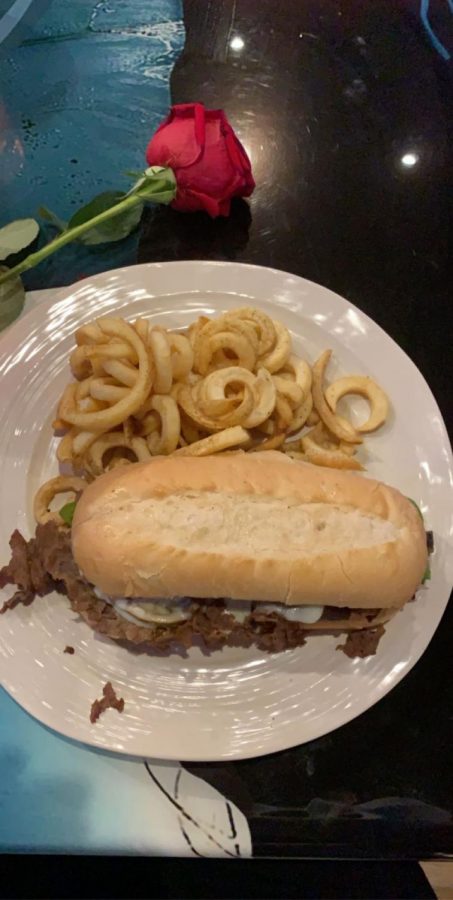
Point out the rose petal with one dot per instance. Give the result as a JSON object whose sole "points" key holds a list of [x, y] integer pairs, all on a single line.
{"points": [[180, 139], [209, 162]]}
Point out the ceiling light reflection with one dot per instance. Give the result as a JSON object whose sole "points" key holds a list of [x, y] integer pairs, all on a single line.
{"points": [[410, 159], [237, 43]]}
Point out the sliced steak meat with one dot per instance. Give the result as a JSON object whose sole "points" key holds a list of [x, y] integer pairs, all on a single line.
{"points": [[274, 633], [341, 613], [53, 546], [18, 569], [362, 643], [21, 596], [27, 567]]}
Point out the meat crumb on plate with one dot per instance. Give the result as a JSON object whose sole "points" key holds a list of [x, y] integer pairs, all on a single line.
{"points": [[69, 649], [108, 701]]}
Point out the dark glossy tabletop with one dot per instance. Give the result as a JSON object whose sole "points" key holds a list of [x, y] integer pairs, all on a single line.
{"points": [[345, 109]]}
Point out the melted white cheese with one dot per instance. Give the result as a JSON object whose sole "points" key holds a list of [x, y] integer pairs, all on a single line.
{"points": [[239, 609], [159, 611], [306, 615], [162, 611]]}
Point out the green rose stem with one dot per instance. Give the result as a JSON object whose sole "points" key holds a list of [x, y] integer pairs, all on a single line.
{"points": [[66, 237], [156, 184]]}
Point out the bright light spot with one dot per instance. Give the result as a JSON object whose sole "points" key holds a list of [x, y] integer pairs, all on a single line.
{"points": [[410, 159], [237, 43]]}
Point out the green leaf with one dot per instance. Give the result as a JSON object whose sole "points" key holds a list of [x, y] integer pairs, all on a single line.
{"points": [[116, 228], [427, 572], [12, 299], [52, 217], [17, 235], [67, 512], [157, 184]]}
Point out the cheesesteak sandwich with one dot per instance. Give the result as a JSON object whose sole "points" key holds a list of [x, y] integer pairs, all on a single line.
{"points": [[234, 550]]}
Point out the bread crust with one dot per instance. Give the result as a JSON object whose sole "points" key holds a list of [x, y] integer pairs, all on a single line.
{"points": [[131, 562]]}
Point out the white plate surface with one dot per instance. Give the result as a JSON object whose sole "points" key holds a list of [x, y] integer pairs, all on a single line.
{"points": [[234, 703]]}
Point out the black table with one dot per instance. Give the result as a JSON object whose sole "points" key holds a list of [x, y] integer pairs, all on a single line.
{"points": [[346, 111]]}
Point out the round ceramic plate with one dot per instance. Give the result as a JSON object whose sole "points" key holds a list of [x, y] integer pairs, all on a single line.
{"points": [[234, 703]]}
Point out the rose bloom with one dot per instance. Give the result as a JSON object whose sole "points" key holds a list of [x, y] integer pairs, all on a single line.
{"points": [[209, 162]]}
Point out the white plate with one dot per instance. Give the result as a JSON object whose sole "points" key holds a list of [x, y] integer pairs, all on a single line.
{"points": [[234, 703]]}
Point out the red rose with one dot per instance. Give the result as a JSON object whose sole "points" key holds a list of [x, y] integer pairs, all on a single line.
{"points": [[209, 162]]}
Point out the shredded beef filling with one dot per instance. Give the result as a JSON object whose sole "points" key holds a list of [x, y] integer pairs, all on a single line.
{"points": [[45, 563], [362, 643]]}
